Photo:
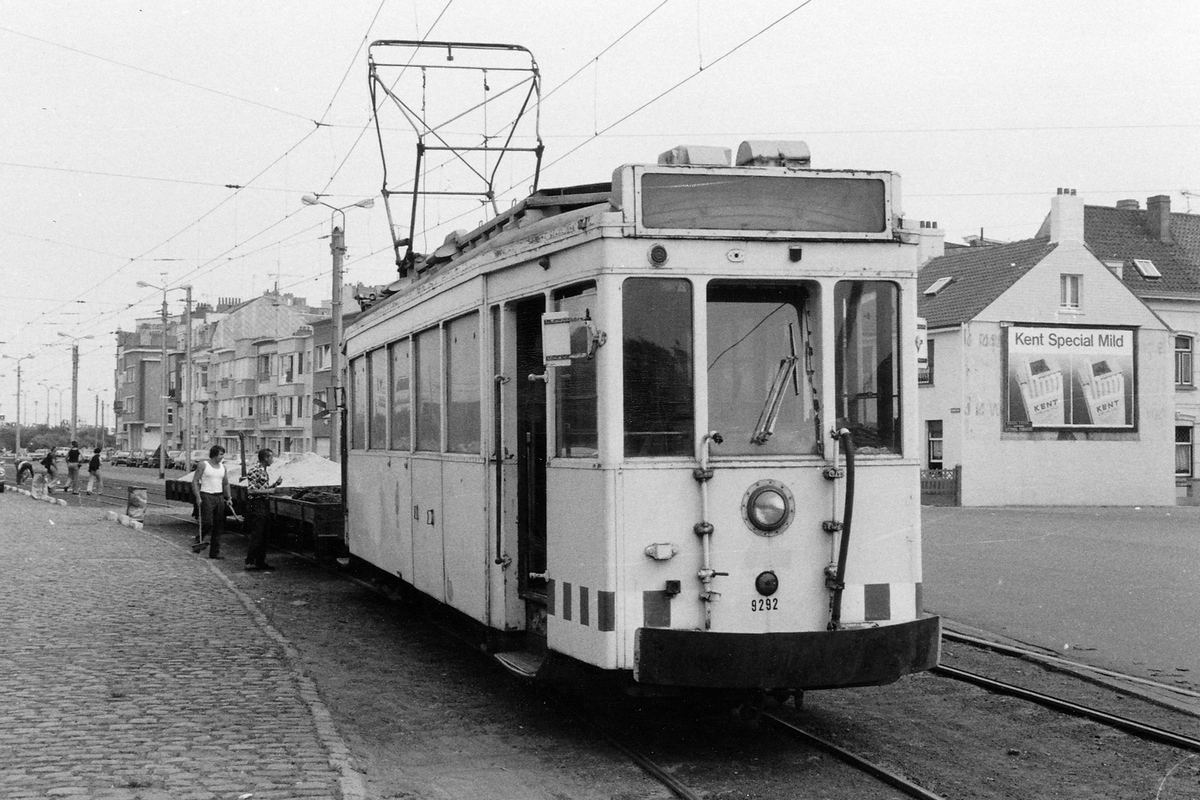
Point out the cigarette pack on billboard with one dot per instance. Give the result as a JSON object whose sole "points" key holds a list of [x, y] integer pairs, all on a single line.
{"points": [[1042, 391], [1104, 388]]}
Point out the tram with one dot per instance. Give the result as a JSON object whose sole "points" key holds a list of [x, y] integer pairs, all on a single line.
{"points": [[663, 428]]}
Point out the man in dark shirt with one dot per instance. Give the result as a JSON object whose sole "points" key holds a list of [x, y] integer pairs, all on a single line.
{"points": [[94, 479], [259, 488], [73, 467]]}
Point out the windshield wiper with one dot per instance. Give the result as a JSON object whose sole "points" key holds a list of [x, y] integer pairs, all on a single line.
{"points": [[774, 402]]}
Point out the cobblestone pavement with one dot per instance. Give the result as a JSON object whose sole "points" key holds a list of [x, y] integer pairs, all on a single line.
{"points": [[131, 669]]}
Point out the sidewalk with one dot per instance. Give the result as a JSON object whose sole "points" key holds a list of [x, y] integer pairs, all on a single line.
{"points": [[131, 669]]}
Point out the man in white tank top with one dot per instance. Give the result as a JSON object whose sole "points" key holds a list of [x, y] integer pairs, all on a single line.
{"points": [[210, 485]]}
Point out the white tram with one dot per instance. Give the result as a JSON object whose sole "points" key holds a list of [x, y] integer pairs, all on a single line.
{"points": [[665, 427]]}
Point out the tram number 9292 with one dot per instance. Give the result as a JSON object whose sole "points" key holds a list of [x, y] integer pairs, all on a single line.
{"points": [[765, 604]]}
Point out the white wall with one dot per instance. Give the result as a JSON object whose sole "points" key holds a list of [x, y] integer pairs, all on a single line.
{"points": [[1066, 467]]}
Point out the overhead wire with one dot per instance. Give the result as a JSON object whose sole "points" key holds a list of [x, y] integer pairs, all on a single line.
{"points": [[197, 271], [164, 76]]}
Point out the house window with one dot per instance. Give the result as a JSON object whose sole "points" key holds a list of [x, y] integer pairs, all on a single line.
{"points": [[1183, 451], [1072, 286], [1183, 361], [321, 355], [933, 435], [925, 371]]}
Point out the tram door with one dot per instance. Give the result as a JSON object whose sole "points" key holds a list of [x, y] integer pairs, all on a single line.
{"points": [[531, 467]]}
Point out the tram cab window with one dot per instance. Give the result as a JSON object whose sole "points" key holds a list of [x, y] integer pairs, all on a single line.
{"points": [[428, 433], [462, 385], [867, 322], [377, 432], [358, 403], [401, 423], [763, 389], [657, 352], [577, 435]]}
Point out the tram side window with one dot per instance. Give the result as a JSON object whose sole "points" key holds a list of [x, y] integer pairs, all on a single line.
{"points": [[462, 385], [377, 432], [401, 430], [358, 403], [867, 321], [763, 387], [658, 382], [575, 385], [428, 435]]}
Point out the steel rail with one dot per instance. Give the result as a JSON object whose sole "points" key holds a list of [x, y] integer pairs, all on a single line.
{"points": [[1139, 729], [1044, 658], [858, 762]]}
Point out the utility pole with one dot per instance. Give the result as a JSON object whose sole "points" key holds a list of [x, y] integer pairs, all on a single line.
{"points": [[337, 245], [162, 440], [74, 388], [187, 395]]}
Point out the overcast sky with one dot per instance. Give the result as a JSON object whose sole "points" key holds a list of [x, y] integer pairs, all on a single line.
{"points": [[125, 124]]}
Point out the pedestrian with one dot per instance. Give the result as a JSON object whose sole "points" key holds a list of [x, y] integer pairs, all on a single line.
{"points": [[259, 488], [50, 463], [24, 470], [73, 467], [210, 485], [94, 479]]}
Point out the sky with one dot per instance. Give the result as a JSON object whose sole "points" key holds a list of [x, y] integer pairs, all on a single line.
{"points": [[171, 142]]}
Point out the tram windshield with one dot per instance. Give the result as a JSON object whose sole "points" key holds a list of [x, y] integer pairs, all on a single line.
{"points": [[762, 380]]}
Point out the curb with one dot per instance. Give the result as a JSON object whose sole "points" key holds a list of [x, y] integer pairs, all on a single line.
{"points": [[52, 500], [124, 519]]}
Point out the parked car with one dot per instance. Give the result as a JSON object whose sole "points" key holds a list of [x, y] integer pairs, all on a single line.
{"points": [[122, 458]]}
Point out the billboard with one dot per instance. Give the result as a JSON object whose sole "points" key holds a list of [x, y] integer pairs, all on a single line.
{"points": [[1060, 376]]}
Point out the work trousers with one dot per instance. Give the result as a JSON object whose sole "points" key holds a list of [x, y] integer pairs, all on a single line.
{"points": [[256, 552], [73, 477], [212, 521], [95, 482]]}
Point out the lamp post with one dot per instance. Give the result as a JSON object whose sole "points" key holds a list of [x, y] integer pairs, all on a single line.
{"points": [[17, 444], [74, 378], [185, 407], [337, 246], [48, 388]]}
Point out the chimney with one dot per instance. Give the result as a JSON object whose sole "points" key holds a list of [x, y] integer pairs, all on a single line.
{"points": [[1128, 205], [1158, 217], [1066, 217], [932, 242]]}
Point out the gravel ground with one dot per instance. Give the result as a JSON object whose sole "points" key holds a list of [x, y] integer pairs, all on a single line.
{"points": [[429, 716]]}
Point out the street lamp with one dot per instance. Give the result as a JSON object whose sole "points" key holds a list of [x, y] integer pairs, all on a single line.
{"points": [[74, 377], [337, 246], [17, 444], [60, 391], [162, 446]]}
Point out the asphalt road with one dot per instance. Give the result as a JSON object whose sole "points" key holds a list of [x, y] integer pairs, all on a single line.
{"points": [[1113, 587]]}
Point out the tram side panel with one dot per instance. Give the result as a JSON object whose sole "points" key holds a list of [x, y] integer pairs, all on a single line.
{"points": [[582, 607], [379, 529], [465, 537], [429, 574]]}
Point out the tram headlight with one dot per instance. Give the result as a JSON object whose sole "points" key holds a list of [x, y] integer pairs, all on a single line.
{"points": [[768, 508], [767, 583]]}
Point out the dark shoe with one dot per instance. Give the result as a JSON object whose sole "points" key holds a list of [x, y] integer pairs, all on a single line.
{"points": [[198, 546], [217, 558], [267, 567]]}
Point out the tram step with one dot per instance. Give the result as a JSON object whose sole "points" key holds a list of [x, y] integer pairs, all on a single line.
{"points": [[521, 662]]}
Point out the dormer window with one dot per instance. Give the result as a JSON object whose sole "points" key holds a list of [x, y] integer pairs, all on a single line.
{"points": [[1072, 290], [938, 285], [1146, 268]]}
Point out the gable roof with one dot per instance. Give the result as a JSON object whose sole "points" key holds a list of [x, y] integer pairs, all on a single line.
{"points": [[980, 275], [1120, 234]]}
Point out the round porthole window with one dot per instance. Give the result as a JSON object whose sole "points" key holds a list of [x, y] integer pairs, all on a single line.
{"points": [[768, 508]]}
